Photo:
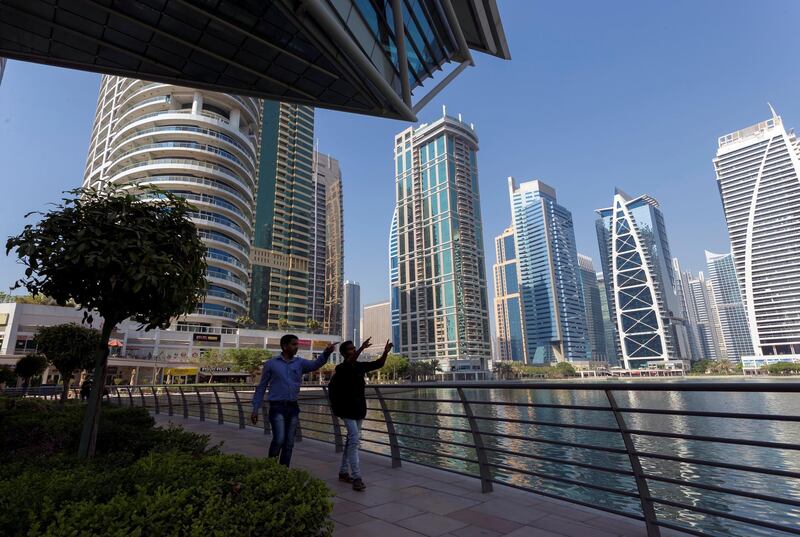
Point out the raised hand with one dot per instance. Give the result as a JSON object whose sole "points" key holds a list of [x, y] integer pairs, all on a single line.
{"points": [[367, 343], [388, 346], [330, 348]]}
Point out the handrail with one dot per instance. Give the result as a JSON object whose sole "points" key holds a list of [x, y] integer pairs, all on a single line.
{"points": [[507, 442]]}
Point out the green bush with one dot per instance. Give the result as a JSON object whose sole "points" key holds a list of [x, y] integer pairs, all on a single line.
{"points": [[164, 494], [31, 428]]}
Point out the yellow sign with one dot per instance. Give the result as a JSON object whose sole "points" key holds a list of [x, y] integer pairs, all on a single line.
{"points": [[3, 319], [180, 371]]}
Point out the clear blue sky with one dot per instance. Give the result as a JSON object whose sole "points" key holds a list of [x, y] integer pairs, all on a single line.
{"points": [[597, 95]]}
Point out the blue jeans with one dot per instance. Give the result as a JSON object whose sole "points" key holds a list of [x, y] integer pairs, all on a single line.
{"points": [[350, 455], [283, 418]]}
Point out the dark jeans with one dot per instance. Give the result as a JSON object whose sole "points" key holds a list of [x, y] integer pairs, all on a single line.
{"points": [[283, 418]]}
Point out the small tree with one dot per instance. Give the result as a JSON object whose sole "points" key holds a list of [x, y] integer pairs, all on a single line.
{"points": [[565, 369], [68, 347], [249, 360], [29, 366], [283, 323], [244, 321], [122, 253], [312, 325], [7, 376]]}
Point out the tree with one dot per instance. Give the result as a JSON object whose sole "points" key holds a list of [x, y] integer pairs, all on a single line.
{"points": [[283, 323], [721, 367], [784, 368], [68, 347], [7, 376], [123, 253], [312, 325], [701, 366], [249, 360], [29, 366], [565, 369], [244, 321]]}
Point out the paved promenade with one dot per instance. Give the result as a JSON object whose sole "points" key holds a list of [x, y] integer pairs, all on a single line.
{"points": [[415, 501]]}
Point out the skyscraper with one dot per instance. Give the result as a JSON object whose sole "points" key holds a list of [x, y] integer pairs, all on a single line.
{"points": [[507, 302], [728, 298], [708, 328], [689, 311], [2, 68], [376, 322], [554, 315], [351, 323], [595, 324], [439, 289], [637, 266], [326, 283], [609, 325], [200, 145], [282, 244], [758, 174]]}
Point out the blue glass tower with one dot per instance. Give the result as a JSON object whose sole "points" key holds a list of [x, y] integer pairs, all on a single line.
{"points": [[549, 279]]}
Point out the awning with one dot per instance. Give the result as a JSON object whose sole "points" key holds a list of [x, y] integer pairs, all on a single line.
{"points": [[180, 371]]}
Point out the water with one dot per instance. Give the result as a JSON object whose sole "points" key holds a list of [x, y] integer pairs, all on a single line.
{"points": [[437, 429]]}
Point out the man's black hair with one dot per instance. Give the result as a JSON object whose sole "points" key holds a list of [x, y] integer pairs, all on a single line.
{"points": [[285, 340], [344, 345]]}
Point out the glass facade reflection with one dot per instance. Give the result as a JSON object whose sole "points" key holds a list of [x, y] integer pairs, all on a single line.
{"points": [[507, 303]]}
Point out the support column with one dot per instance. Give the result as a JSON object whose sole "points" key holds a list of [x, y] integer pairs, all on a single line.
{"points": [[197, 103], [235, 117]]}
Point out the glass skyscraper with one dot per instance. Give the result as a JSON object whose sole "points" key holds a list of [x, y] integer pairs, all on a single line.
{"points": [[758, 174], [609, 325], [283, 242], [351, 313], [437, 272], [507, 301], [639, 277], [708, 328], [554, 316], [730, 308], [595, 323]]}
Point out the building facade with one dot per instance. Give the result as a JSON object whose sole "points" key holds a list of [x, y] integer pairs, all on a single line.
{"points": [[550, 287], [509, 329], [283, 242], [609, 325], [351, 313], [440, 288], [638, 272], [709, 331], [201, 146], [758, 174], [684, 291], [730, 308], [595, 323], [376, 322], [329, 175]]}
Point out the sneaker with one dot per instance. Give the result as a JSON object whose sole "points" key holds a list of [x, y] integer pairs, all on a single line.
{"points": [[358, 484], [346, 478]]}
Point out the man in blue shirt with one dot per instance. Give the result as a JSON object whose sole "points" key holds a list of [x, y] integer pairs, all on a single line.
{"points": [[283, 374]]}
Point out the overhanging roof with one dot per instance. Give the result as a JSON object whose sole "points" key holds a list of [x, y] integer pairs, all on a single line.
{"points": [[339, 54]]}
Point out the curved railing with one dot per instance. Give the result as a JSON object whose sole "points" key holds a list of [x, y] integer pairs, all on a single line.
{"points": [[672, 455]]}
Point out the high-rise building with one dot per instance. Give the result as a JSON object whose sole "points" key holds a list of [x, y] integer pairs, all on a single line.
{"points": [[595, 325], [326, 283], [637, 265], [2, 68], [507, 302], [554, 316], [708, 328], [609, 325], [376, 322], [758, 174], [440, 288], [683, 290], [329, 175], [730, 308], [282, 243], [200, 145], [351, 313]]}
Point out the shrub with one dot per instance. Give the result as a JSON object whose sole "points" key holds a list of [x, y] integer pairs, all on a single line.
{"points": [[33, 428], [165, 494]]}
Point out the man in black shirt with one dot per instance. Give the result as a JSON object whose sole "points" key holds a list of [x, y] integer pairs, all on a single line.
{"points": [[349, 403]]}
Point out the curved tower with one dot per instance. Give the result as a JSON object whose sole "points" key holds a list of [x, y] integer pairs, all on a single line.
{"points": [[200, 145]]}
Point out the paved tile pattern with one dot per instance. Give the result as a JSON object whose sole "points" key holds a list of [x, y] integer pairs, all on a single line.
{"points": [[416, 501]]}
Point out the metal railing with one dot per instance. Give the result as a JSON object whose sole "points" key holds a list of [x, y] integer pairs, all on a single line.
{"points": [[672, 455]]}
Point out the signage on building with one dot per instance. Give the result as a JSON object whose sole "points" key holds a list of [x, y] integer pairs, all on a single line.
{"points": [[215, 369], [211, 338]]}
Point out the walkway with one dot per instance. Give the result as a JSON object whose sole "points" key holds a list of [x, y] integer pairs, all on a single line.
{"points": [[415, 501]]}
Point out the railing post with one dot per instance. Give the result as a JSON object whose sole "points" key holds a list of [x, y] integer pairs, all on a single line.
{"points": [[130, 396], [200, 403], [119, 397], [141, 394], [638, 474], [239, 406], [183, 402], [338, 445], [169, 399], [483, 461], [298, 434], [220, 415], [394, 446], [155, 399]]}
